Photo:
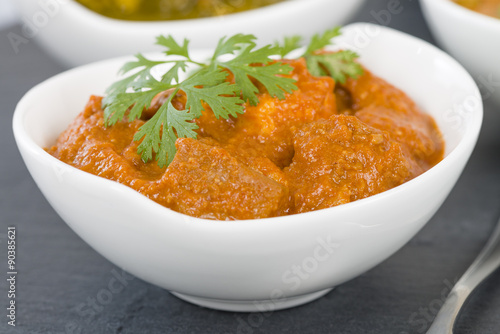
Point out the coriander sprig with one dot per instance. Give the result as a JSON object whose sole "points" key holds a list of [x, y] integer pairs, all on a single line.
{"points": [[338, 65], [207, 85], [128, 97]]}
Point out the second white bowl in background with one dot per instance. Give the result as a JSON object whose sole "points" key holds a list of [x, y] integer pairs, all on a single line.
{"points": [[75, 35], [472, 38]]}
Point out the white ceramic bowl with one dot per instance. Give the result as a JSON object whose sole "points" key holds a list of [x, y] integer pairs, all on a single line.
{"points": [[76, 35], [259, 264], [472, 38]]}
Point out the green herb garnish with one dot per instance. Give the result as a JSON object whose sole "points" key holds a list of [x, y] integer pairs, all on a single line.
{"points": [[130, 96], [338, 65], [207, 84]]}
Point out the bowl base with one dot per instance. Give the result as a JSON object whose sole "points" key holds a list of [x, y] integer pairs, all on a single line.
{"points": [[268, 305]]}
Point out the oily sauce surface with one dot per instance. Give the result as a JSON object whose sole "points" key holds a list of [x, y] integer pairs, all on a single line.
{"points": [[160, 10], [322, 146], [487, 7]]}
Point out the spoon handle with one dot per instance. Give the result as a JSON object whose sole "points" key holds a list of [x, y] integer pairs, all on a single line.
{"points": [[485, 264]]}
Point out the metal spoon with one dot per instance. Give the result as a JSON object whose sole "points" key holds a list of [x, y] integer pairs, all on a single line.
{"points": [[485, 264]]}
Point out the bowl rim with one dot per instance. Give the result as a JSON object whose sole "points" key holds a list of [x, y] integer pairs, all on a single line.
{"points": [[464, 13], [466, 143], [270, 10]]}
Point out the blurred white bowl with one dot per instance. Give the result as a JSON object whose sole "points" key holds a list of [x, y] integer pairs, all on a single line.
{"points": [[76, 35], [472, 38], [262, 264], [8, 14]]}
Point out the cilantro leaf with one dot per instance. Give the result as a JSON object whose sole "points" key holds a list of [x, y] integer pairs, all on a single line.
{"points": [[232, 44], [319, 42], [269, 77], [207, 86], [172, 74], [129, 91], [243, 67], [117, 109], [289, 44], [338, 65], [162, 130], [217, 93], [173, 48], [140, 62]]}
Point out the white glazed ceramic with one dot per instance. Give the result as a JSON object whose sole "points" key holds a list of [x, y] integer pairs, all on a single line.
{"points": [[472, 38], [264, 264], [76, 35]]}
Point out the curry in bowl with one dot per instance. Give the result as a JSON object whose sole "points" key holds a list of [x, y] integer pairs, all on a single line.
{"points": [[487, 7], [219, 264], [310, 133], [159, 10]]}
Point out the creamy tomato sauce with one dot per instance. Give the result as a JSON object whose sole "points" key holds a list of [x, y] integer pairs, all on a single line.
{"points": [[322, 146], [487, 7]]}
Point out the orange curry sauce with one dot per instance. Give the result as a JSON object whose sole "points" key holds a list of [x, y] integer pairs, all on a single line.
{"points": [[487, 7], [322, 146]]}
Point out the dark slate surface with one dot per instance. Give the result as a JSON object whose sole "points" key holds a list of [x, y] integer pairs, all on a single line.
{"points": [[60, 276]]}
